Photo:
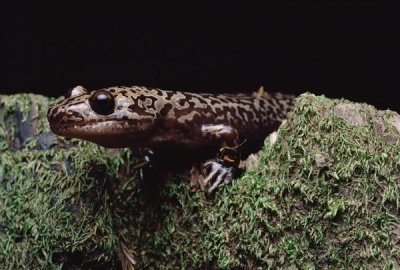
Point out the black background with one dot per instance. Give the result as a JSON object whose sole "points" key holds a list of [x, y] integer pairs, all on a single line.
{"points": [[340, 49]]}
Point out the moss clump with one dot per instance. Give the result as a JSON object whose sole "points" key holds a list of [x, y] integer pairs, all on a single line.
{"points": [[326, 195], [55, 209]]}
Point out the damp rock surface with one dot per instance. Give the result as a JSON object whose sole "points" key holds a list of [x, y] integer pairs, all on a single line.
{"points": [[324, 195], [55, 210]]}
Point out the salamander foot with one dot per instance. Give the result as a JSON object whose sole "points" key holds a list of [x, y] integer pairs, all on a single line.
{"points": [[218, 173]]}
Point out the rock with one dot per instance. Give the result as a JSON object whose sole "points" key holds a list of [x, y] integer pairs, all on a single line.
{"points": [[323, 193], [54, 205]]}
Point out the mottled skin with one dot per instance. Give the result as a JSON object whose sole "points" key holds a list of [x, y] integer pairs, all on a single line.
{"points": [[151, 120]]}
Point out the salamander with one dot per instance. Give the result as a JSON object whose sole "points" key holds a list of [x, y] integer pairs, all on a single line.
{"points": [[152, 120]]}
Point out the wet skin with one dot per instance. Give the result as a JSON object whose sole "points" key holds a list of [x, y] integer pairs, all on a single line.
{"points": [[159, 125]]}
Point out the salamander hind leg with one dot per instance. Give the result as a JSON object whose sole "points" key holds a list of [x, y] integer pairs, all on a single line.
{"points": [[224, 167]]}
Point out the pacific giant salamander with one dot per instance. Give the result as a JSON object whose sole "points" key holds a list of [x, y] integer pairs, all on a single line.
{"points": [[160, 120]]}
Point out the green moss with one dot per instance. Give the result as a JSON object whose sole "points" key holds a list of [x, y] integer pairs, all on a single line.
{"points": [[55, 208], [325, 195], [292, 211]]}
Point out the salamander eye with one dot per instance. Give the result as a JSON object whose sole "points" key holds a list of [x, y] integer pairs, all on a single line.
{"points": [[102, 102]]}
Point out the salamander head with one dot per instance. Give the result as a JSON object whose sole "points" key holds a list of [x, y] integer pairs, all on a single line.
{"points": [[108, 117]]}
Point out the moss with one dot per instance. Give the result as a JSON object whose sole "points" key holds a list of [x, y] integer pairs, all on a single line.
{"points": [[55, 208], [325, 195]]}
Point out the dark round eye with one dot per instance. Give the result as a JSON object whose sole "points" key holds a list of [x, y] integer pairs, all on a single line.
{"points": [[102, 102]]}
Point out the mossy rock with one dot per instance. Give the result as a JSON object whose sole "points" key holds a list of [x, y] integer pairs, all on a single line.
{"points": [[55, 207], [326, 194]]}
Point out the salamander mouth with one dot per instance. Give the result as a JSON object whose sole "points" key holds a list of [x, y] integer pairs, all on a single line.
{"points": [[109, 133], [90, 128]]}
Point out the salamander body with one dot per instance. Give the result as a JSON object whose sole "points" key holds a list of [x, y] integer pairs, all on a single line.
{"points": [[160, 120]]}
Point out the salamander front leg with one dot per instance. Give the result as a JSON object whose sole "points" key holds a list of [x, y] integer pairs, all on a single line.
{"points": [[150, 175], [220, 174], [224, 167], [144, 161]]}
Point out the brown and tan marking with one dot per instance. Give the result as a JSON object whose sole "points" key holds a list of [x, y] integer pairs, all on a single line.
{"points": [[139, 117]]}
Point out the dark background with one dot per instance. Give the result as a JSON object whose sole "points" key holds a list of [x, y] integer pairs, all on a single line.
{"points": [[340, 49]]}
